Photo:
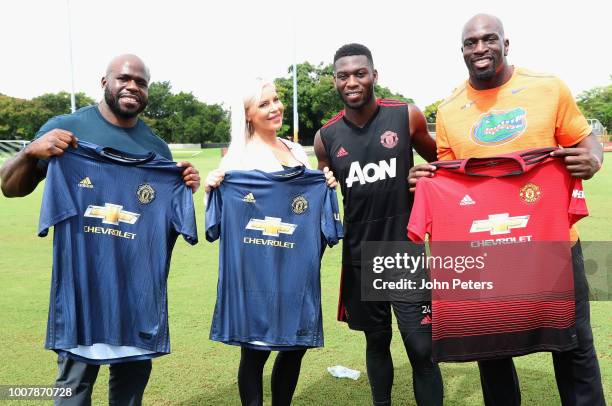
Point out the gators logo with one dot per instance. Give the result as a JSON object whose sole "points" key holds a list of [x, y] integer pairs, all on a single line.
{"points": [[499, 126]]}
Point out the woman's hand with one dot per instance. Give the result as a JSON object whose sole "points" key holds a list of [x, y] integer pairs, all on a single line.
{"points": [[213, 179]]}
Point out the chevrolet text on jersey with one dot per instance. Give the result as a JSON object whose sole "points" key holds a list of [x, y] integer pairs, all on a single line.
{"points": [[371, 172]]}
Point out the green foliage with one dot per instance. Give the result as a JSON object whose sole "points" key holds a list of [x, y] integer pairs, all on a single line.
{"points": [[385, 93], [59, 103], [177, 118], [181, 118], [597, 103], [318, 100], [21, 119], [431, 111]]}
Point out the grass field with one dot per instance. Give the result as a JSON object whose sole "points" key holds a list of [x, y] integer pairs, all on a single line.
{"points": [[202, 372]]}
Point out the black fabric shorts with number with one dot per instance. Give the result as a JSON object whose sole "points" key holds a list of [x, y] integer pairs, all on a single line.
{"points": [[376, 315]]}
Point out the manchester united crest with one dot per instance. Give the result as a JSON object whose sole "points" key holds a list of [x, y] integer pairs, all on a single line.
{"points": [[530, 193], [299, 205], [389, 139], [145, 193]]}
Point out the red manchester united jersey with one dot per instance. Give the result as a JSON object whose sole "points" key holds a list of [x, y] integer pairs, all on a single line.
{"points": [[509, 218]]}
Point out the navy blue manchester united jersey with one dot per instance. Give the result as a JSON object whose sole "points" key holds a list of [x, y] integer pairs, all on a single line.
{"points": [[273, 229], [117, 217]]}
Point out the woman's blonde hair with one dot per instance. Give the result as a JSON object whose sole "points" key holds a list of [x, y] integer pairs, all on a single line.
{"points": [[241, 129]]}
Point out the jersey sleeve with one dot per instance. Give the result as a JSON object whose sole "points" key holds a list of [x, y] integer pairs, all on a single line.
{"points": [[445, 153], [214, 208], [331, 226], [57, 202], [184, 221], [420, 217], [571, 126], [577, 207]]}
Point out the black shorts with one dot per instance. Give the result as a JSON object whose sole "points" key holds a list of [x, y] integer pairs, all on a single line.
{"points": [[369, 315]]}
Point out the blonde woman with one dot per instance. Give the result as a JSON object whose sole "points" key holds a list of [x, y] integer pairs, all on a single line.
{"points": [[256, 118]]}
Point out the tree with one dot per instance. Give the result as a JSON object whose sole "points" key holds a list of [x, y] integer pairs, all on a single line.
{"points": [[159, 92], [597, 103], [431, 111], [182, 118], [21, 119], [318, 100], [59, 103], [174, 117]]}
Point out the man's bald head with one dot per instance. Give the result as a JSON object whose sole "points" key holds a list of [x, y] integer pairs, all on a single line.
{"points": [[118, 62], [484, 49], [483, 20]]}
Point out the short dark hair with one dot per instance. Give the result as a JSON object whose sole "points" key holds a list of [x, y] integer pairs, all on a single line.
{"points": [[352, 50]]}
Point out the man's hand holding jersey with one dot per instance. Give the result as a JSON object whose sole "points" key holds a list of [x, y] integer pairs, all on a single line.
{"points": [[190, 175], [580, 162], [330, 178], [52, 143], [419, 171]]}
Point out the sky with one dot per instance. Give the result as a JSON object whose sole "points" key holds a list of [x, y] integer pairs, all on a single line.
{"points": [[210, 47]]}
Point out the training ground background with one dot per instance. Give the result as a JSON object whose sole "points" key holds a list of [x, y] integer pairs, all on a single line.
{"points": [[202, 372]]}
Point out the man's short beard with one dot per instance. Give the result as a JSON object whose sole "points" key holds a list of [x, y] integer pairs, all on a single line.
{"points": [[113, 104], [486, 75], [364, 102]]}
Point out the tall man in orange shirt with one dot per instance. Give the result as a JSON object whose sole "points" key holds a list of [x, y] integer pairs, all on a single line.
{"points": [[501, 109]]}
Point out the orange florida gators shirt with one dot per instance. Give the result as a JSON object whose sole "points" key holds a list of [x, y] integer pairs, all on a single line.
{"points": [[531, 110]]}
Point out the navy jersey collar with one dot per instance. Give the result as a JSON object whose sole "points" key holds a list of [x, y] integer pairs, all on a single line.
{"points": [[282, 176], [116, 156]]}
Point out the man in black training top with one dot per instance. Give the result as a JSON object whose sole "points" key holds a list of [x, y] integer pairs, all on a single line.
{"points": [[369, 148]]}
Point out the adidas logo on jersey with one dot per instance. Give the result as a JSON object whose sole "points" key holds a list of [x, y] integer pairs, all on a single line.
{"points": [[371, 172], [249, 198], [426, 320], [86, 183], [466, 201], [341, 152]]}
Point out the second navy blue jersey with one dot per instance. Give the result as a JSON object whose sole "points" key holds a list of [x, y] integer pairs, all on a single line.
{"points": [[273, 229], [117, 217]]}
